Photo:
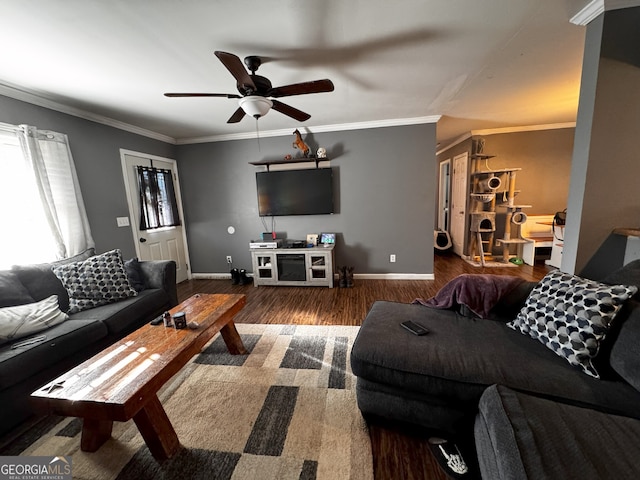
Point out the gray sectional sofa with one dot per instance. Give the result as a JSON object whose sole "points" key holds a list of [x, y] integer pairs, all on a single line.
{"points": [[532, 413], [27, 363]]}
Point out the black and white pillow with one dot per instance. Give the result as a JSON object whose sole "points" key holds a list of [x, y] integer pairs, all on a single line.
{"points": [[96, 281], [571, 316]]}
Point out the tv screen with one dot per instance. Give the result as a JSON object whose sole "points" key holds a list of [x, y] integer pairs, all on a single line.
{"points": [[295, 192]]}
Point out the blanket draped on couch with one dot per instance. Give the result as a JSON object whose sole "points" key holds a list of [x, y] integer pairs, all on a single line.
{"points": [[478, 292]]}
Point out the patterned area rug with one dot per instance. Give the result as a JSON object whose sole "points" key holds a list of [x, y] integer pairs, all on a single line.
{"points": [[287, 410]]}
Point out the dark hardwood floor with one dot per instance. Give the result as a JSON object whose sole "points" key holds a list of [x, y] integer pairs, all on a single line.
{"points": [[397, 454]]}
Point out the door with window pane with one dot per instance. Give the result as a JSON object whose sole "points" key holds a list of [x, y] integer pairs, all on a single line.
{"points": [[163, 243]]}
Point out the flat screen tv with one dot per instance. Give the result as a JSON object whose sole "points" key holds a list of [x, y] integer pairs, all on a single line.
{"points": [[295, 192]]}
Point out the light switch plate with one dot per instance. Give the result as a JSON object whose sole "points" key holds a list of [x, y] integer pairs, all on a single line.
{"points": [[123, 221]]}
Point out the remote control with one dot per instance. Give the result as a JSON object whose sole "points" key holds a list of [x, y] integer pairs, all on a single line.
{"points": [[157, 321], [415, 328]]}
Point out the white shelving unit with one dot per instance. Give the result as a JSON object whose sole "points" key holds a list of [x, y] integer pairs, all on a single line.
{"points": [[293, 266]]}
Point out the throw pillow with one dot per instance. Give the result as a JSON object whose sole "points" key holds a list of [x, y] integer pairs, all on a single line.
{"points": [[23, 320], [571, 316], [96, 281], [134, 274]]}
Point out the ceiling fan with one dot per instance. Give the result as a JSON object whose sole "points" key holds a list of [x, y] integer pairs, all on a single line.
{"points": [[254, 90]]}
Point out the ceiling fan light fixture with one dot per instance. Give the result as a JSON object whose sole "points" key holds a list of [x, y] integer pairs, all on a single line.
{"points": [[255, 106]]}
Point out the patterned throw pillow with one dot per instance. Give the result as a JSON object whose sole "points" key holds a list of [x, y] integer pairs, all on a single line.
{"points": [[96, 281], [571, 316]]}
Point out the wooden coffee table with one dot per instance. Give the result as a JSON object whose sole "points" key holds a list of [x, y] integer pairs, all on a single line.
{"points": [[122, 382]]}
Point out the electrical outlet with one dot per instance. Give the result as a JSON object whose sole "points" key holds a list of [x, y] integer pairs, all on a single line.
{"points": [[392, 258], [229, 261]]}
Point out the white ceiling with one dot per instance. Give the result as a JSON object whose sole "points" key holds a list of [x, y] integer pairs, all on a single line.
{"points": [[478, 64]]}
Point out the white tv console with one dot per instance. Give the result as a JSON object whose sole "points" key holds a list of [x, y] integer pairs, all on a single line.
{"points": [[293, 266]]}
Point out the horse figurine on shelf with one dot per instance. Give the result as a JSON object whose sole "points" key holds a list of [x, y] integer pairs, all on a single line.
{"points": [[299, 143]]}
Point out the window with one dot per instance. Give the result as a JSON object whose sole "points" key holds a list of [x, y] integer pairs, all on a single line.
{"points": [[42, 207], [158, 205], [26, 237]]}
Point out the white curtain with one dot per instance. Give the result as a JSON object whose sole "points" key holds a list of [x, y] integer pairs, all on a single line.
{"points": [[49, 155]]}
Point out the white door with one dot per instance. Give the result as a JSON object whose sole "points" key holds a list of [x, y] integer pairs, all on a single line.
{"points": [[168, 243], [459, 195]]}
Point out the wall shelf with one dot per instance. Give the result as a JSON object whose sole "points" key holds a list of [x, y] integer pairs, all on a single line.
{"points": [[282, 161]]}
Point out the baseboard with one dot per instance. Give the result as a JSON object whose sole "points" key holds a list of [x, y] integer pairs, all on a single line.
{"points": [[212, 276], [395, 276], [363, 276]]}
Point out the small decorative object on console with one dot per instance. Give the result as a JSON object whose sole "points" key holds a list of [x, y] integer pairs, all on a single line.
{"points": [[322, 152], [180, 320], [312, 239], [327, 238]]}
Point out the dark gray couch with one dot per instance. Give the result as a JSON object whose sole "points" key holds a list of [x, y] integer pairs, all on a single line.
{"points": [[24, 369], [445, 382]]}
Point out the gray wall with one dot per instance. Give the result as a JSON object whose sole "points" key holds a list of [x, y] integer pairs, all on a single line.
{"points": [[96, 153], [384, 194], [384, 187], [545, 159], [604, 178]]}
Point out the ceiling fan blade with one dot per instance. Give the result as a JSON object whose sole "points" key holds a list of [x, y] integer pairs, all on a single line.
{"points": [[236, 68], [317, 86], [290, 111], [226, 95], [237, 116]]}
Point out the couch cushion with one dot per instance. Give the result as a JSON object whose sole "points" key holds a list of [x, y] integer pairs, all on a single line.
{"points": [[460, 357], [130, 313], [625, 351], [95, 281], [134, 274], [24, 320], [629, 274], [61, 341], [571, 316], [521, 436], [41, 283], [12, 291]]}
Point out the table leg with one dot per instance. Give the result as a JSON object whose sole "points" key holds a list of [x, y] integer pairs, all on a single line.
{"points": [[232, 339], [156, 429], [94, 434]]}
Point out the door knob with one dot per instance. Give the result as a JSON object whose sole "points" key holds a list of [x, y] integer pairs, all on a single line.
{"points": [[142, 239]]}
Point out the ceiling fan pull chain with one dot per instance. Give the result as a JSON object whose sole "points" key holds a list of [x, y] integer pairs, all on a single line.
{"points": [[258, 133]]}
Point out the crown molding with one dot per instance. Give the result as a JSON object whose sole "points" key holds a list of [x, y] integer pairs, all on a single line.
{"points": [[524, 128], [396, 122], [497, 131], [34, 99], [454, 142], [596, 7]]}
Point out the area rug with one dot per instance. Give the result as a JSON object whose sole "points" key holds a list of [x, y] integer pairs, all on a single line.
{"points": [[287, 410]]}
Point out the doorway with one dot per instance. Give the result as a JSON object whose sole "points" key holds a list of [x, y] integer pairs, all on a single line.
{"points": [[444, 197], [459, 196], [168, 243]]}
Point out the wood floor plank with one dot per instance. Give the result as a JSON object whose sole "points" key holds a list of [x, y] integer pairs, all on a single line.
{"points": [[396, 455]]}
